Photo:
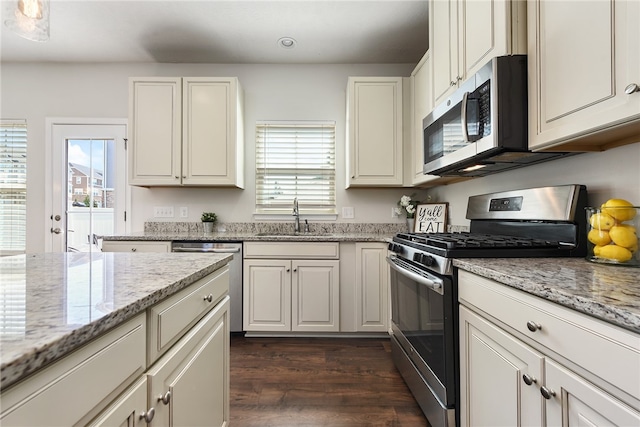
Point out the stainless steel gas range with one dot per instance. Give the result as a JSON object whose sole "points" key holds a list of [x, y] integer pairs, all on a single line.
{"points": [[533, 222]]}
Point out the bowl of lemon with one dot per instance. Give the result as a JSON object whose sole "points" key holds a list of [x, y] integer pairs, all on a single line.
{"points": [[612, 233]]}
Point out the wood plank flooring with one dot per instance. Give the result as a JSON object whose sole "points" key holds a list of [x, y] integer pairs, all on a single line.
{"points": [[310, 382]]}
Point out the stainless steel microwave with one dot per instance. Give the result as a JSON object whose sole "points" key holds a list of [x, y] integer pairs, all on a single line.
{"points": [[482, 127]]}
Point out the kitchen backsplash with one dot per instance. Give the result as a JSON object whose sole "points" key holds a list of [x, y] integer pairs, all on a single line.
{"points": [[273, 227]]}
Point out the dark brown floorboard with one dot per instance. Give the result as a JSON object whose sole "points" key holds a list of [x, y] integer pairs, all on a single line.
{"points": [[318, 382]]}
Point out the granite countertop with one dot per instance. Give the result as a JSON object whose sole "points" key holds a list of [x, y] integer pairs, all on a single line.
{"points": [[251, 237], [263, 231], [58, 302], [608, 292]]}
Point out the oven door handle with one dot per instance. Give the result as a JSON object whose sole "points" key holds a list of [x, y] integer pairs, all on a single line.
{"points": [[433, 283]]}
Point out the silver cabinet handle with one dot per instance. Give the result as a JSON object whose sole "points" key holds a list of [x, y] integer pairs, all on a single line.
{"points": [[533, 326], [547, 393], [528, 379], [208, 298], [166, 398], [148, 416], [632, 88]]}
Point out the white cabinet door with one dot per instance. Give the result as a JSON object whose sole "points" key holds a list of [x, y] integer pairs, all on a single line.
{"points": [[211, 147], [189, 385], [315, 296], [581, 58], [443, 27], [499, 376], [374, 131], [572, 401], [155, 131], [267, 295], [129, 410], [466, 34], [372, 287]]}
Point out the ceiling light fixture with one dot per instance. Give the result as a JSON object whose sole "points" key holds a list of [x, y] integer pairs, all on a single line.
{"points": [[29, 19], [287, 42]]}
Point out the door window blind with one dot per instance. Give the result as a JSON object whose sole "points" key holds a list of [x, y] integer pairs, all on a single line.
{"points": [[13, 186], [295, 159]]}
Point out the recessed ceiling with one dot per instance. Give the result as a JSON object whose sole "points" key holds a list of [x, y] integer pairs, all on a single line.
{"points": [[206, 31]]}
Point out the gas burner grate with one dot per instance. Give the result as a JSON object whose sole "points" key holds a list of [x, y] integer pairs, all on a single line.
{"points": [[475, 241]]}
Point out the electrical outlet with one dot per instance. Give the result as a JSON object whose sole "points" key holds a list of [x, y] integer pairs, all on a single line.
{"points": [[184, 212], [163, 212], [347, 213]]}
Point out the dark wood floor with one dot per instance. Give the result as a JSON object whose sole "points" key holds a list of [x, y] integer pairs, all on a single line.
{"points": [[318, 382]]}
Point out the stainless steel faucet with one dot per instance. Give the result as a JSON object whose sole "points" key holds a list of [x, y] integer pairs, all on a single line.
{"points": [[296, 214]]}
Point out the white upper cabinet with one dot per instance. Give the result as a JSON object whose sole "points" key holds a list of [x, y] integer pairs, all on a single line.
{"points": [[466, 34], [186, 131], [374, 132], [582, 57]]}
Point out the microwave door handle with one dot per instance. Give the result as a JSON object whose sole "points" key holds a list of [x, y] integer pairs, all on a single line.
{"points": [[465, 129]]}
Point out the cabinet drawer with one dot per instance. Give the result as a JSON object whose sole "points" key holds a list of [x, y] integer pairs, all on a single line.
{"points": [[43, 399], [171, 318], [606, 351], [136, 246], [292, 250]]}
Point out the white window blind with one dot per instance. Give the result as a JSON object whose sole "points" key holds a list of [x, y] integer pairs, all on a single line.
{"points": [[295, 159], [13, 186]]}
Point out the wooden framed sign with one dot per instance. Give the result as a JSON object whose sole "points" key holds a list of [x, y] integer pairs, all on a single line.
{"points": [[431, 218]]}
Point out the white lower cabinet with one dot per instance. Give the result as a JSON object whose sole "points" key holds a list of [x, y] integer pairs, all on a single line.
{"points": [[189, 385], [289, 292], [372, 287], [525, 361]]}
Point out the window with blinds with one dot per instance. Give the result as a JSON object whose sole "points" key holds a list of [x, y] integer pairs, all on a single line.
{"points": [[295, 159], [13, 186]]}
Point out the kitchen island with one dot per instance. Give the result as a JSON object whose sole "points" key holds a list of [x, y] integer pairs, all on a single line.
{"points": [[57, 307]]}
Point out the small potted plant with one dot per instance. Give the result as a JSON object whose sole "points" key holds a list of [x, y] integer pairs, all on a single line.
{"points": [[208, 220]]}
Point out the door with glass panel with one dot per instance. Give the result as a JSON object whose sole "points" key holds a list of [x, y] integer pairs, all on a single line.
{"points": [[89, 191]]}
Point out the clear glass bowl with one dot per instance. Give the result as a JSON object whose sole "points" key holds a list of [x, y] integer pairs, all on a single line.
{"points": [[612, 235]]}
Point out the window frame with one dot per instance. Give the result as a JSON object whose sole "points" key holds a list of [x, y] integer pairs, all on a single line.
{"points": [[19, 173], [281, 211]]}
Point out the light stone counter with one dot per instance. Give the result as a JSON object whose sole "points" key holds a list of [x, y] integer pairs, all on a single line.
{"points": [[264, 231], [607, 292], [54, 303]]}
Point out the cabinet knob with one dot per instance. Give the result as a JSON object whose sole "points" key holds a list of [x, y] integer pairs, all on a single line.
{"points": [[528, 379], [533, 326], [547, 393], [452, 83], [133, 249], [633, 87], [208, 298], [288, 270], [184, 176], [177, 177], [166, 398], [148, 416]]}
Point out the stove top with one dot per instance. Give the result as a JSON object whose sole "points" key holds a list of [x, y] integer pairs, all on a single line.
{"points": [[528, 223], [480, 245]]}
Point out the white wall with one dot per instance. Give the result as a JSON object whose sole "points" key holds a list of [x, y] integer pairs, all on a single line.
{"points": [[272, 92]]}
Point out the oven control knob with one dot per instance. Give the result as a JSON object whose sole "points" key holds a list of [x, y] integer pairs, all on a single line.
{"points": [[394, 247], [423, 259]]}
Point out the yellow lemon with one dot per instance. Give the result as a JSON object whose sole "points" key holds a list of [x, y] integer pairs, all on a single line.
{"points": [[634, 248], [615, 252], [620, 209], [602, 221], [596, 250], [623, 235], [599, 237]]}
